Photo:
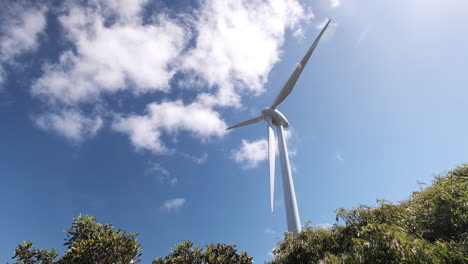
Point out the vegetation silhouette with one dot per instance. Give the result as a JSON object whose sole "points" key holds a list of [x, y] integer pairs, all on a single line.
{"points": [[430, 227]]}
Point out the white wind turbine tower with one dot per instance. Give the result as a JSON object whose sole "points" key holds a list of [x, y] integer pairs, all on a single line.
{"points": [[273, 117]]}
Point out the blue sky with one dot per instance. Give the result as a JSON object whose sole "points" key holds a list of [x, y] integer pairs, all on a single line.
{"points": [[118, 108]]}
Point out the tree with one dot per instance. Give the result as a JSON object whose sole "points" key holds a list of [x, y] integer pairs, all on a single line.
{"points": [[87, 242], [430, 227], [213, 254], [25, 253], [182, 253]]}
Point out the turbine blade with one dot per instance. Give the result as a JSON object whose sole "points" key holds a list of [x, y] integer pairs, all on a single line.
{"points": [[288, 87], [248, 122], [271, 158]]}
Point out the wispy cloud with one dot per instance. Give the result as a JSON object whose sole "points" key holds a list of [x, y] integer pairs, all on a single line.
{"points": [[21, 25], [173, 205], [298, 33], [162, 173], [338, 156], [269, 231], [197, 159], [71, 124], [363, 36]]}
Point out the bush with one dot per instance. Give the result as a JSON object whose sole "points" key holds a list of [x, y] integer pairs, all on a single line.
{"points": [[430, 227]]}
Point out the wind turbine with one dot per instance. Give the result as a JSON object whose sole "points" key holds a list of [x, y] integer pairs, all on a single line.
{"points": [[273, 117]]}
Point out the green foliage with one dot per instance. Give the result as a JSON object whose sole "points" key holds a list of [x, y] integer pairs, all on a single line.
{"points": [[26, 254], [92, 242], [213, 254], [225, 254], [430, 227], [87, 242], [182, 253]]}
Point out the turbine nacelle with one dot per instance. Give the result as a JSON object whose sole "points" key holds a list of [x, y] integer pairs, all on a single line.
{"points": [[277, 118]]}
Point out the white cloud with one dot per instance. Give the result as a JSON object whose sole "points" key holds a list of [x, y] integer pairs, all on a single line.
{"points": [[145, 131], [142, 132], [70, 124], [250, 154], [21, 25], [127, 10], [112, 58], [238, 43], [173, 205], [298, 33], [223, 50], [20, 29], [105, 59], [335, 3], [164, 175]]}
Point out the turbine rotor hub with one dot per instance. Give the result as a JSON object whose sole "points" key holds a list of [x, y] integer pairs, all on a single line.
{"points": [[276, 116]]}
